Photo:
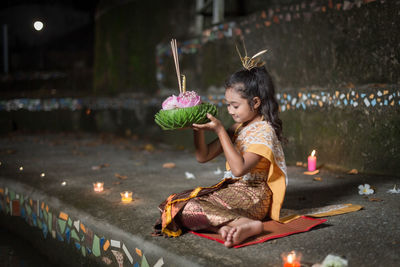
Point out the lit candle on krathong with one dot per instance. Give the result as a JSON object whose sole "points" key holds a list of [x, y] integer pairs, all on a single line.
{"points": [[291, 259], [126, 197], [312, 162], [98, 186]]}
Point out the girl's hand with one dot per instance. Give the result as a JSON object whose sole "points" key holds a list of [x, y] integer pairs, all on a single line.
{"points": [[214, 124]]}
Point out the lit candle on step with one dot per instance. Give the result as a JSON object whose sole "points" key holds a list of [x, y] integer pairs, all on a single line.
{"points": [[312, 162], [98, 186], [126, 197], [291, 259]]}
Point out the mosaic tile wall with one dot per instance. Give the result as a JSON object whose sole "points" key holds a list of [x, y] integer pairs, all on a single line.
{"points": [[366, 98], [62, 227]]}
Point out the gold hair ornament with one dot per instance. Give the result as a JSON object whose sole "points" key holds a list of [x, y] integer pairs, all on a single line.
{"points": [[251, 62]]}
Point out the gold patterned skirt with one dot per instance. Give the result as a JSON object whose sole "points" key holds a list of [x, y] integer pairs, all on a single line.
{"points": [[215, 206]]}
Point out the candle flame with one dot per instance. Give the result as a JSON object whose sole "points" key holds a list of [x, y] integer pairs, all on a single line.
{"points": [[126, 196], [290, 257], [313, 153], [98, 186]]}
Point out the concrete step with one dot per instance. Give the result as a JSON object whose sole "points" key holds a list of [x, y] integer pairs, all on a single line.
{"points": [[64, 218]]}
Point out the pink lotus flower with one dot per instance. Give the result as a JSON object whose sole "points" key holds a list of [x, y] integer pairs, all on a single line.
{"points": [[170, 103], [188, 99]]}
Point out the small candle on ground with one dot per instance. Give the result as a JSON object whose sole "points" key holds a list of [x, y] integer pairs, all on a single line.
{"points": [[312, 162], [126, 197], [291, 259], [98, 186]]}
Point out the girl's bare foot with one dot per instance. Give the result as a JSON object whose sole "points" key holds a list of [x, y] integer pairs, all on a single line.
{"points": [[241, 229], [224, 230]]}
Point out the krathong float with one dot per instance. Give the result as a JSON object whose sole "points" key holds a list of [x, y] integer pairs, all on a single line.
{"points": [[185, 109]]}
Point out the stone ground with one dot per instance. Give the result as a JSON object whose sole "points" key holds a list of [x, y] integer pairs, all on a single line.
{"points": [[369, 237]]}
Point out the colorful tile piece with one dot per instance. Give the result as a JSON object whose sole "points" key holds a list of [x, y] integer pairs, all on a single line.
{"points": [[69, 222], [45, 215], [115, 243], [159, 263], [76, 224], [138, 251], [82, 236], [11, 195], [34, 219], [39, 223], [59, 237], [68, 234], [77, 245], [83, 227], [88, 237], [96, 246], [74, 235], [83, 250], [28, 210], [63, 216], [23, 213], [16, 208], [45, 230], [89, 251], [106, 245], [54, 222], [125, 249], [50, 221], [61, 224], [53, 234], [102, 240], [7, 207], [144, 262], [119, 257], [36, 206]]}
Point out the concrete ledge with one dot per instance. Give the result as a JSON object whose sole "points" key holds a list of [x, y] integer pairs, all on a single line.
{"points": [[94, 240]]}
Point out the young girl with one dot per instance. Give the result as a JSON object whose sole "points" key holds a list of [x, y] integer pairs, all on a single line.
{"points": [[254, 184]]}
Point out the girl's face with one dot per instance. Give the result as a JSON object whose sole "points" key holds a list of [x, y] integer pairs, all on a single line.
{"points": [[238, 107]]}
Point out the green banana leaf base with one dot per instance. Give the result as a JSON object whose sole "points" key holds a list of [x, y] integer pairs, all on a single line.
{"points": [[184, 117]]}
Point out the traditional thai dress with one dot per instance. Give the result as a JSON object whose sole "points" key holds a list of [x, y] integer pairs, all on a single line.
{"points": [[257, 195]]}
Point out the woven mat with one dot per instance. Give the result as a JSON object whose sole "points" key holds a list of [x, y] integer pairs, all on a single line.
{"points": [[272, 230]]}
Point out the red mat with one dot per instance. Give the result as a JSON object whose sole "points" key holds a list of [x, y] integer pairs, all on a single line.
{"points": [[272, 230]]}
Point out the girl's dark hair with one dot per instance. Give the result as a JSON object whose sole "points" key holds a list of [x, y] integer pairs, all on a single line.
{"points": [[258, 82]]}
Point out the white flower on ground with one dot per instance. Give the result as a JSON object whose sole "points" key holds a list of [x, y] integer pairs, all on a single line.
{"points": [[189, 175], [218, 171], [365, 189], [394, 190], [334, 261]]}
